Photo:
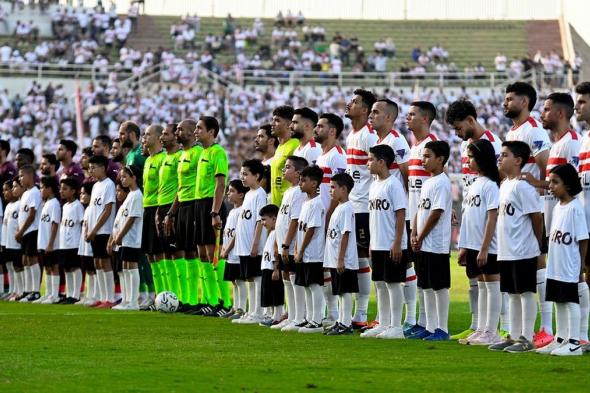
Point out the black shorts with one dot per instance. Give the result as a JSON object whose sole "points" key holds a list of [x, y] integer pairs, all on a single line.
{"points": [[29, 244], [205, 234], [288, 267], [345, 282], [561, 291], [150, 242], [70, 259], [250, 267], [99, 246], [433, 270], [168, 243], [472, 270], [15, 256], [116, 262], [363, 237], [88, 264], [272, 291], [185, 227], [309, 273], [384, 269], [47, 259], [411, 254], [130, 254], [231, 272], [519, 276]]}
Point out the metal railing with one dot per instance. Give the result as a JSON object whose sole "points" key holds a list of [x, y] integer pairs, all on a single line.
{"points": [[52, 70]]}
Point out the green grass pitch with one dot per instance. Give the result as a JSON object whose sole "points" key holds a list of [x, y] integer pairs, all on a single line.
{"points": [[71, 349]]}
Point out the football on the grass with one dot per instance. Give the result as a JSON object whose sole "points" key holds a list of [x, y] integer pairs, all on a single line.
{"points": [[167, 302]]}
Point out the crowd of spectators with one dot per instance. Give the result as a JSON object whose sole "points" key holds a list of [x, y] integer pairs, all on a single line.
{"points": [[552, 67]]}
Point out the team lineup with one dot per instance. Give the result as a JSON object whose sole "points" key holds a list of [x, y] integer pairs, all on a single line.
{"points": [[299, 240]]}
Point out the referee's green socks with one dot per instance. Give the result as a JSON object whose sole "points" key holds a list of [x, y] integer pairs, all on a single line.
{"points": [[224, 286], [158, 275], [211, 289], [181, 272], [172, 283], [193, 280]]}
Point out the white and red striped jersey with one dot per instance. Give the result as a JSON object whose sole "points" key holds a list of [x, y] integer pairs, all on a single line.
{"points": [[584, 170], [469, 176], [400, 147], [331, 163], [416, 174], [564, 151], [310, 151], [537, 139], [358, 144]]}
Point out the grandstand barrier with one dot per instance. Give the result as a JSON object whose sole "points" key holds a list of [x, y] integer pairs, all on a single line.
{"points": [[41, 71]]}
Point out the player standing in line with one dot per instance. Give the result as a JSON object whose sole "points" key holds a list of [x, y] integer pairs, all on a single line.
{"points": [[183, 209], [236, 192], [167, 189], [28, 224], [462, 116], [286, 231], [419, 118], [568, 244], [340, 255], [272, 293], [48, 242], [101, 146], [66, 150], [98, 228], [302, 128], [359, 141], [70, 230], [281, 119], [431, 240], [12, 194], [519, 101], [266, 144], [210, 214], [6, 257], [127, 231], [478, 249], [583, 115], [250, 238], [382, 118], [150, 240], [129, 132], [309, 250], [85, 249], [520, 222], [387, 221]]}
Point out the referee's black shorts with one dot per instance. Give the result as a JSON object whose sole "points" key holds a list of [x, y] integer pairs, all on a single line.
{"points": [[150, 242], [204, 232], [185, 227], [168, 242]]}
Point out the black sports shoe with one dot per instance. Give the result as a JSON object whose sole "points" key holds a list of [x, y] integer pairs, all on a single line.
{"points": [[206, 309], [184, 308], [22, 296], [224, 312], [69, 300], [33, 296], [195, 309]]}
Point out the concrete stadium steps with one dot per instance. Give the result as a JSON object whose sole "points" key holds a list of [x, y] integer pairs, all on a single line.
{"points": [[148, 34], [583, 49], [466, 41], [544, 35]]}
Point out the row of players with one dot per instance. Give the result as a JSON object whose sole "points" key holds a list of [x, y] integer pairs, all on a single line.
{"points": [[520, 98]]}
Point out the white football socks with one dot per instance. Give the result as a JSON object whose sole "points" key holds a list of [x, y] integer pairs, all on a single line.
{"points": [[546, 308], [77, 283], [561, 321], [515, 307], [494, 300], [442, 308], [27, 279], [290, 295], [431, 312], [573, 316], [308, 304], [300, 302], [257, 295], [395, 293], [278, 312], [69, 283], [421, 308], [362, 297], [91, 284], [584, 296], [409, 291], [55, 286], [473, 304], [133, 290], [383, 306], [11, 278], [109, 280], [317, 296], [482, 306], [100, 280], [345, 317], [529, 314], [505, 312], [19, 281], [36, 277], [242, 295], [330, 299]]}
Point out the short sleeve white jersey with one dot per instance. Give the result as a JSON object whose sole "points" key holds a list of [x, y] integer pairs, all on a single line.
{"points": [[564, 151], [482, 197], [569, 228], [30, 199], [584, 169], [400, 147], [70, 229], [341, 222], [385, 198], [436, 195], [534, 136], [11, 217], [313, 215], [516, 237], [358, 144], [50, 214], [416, 174], [268, 254], [468, 175], [132, 206], [102, 194], [288, 211], [331, 163], [84, 248], [246, 226], [310, 151], [229, 232]]}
